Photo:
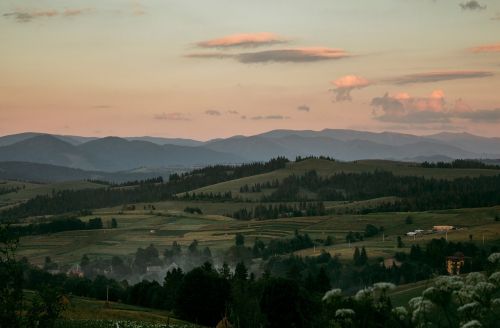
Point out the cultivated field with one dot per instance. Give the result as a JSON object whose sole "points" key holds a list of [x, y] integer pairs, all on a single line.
{"points": [[168, 223]]}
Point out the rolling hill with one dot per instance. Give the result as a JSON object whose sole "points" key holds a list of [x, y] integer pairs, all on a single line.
{"points": [[110, 154], [113, 154]]}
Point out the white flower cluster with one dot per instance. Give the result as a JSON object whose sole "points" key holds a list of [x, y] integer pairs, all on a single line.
{"points": [[344, 313], [364, 294], [484, 288], [470, 308], [471, 324], [494, 258], [384, 286], [400, 312], [420, 308], [495, 279], [474, 278], [332, 294], [448, 283]]}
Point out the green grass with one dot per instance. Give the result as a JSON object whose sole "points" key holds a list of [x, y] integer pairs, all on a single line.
{"points": [[327, 168], [169, 223]]}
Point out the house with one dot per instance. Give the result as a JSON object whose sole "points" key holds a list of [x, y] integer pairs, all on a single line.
{"points": [[455, 263], [75, 271], [442, 228], [411, 233]]}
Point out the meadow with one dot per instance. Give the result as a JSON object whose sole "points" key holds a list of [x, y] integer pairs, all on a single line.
{"points": [[168, 223]]}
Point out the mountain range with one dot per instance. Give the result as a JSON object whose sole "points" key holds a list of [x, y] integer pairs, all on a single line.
{"points": [[112, 154]]}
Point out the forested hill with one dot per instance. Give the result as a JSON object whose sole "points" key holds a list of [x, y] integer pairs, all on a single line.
{"points": [[146, 191], [441, 189]]}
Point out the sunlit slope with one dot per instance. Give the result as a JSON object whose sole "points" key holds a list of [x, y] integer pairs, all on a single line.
{"points": [[327, 168]]}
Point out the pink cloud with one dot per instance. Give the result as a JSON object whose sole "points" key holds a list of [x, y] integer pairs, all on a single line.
{"points": [[243, 40], [346, 84], [494, 47], [403, 108]]}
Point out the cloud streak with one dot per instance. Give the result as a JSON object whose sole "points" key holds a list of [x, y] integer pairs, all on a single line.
{"points": [[304, 108], [292, 55], [270, 117], [440, 76], [175, 116], [493, 47], [247, 40], [25, 16], [346, 84]]}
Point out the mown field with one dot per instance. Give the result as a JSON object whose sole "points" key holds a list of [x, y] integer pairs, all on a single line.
{"points": [[168, 223]]}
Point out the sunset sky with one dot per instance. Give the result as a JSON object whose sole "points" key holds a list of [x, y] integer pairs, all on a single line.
{"points": [[215, 68]]}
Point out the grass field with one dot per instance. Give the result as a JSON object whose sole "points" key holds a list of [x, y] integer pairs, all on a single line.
{"points": [[81, 312], [169, 223], [327, 168]]}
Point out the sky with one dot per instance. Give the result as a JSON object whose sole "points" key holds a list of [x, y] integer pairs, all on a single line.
{"points": [[217, 68]]}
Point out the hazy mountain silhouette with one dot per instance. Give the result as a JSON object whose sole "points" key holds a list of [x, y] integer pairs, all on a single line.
{"points": [[122, 154]]}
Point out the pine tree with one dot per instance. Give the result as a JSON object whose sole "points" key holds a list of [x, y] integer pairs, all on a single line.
{"points": [[356, 256], [363, 257]]}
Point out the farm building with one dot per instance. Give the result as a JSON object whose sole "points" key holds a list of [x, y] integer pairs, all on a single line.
{"points": [[442, 228]]}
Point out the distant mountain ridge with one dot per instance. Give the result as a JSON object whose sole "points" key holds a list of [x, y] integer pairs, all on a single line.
{"points": [[46, 173], [121, 154]]}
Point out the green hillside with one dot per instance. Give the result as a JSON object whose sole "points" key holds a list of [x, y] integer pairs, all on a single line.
{"points": [[328, 168]]}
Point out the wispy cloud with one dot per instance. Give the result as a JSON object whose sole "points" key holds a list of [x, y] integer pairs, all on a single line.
{"points": [[493, 47], [472, 5], [292, 55], [440, 76], [233, 112], [213, 112], [243, 40], [270, 117], [304, 108], [24, 16], [175, 116], [296, 55], [346, 84]]}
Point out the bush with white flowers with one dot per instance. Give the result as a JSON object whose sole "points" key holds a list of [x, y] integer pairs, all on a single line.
{"points": [[452, 301]]}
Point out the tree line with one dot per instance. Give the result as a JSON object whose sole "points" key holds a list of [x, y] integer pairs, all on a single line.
{"points": [[60, 224], [270, 212], [460, 164], [65, 201], [416, 193]]}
